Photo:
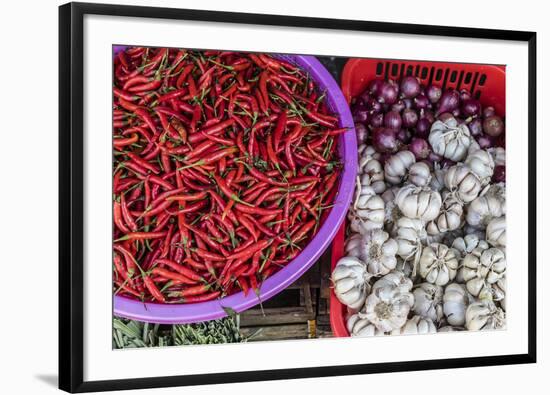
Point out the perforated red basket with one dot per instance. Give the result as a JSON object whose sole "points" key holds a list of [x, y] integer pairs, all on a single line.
{"points": [[485, 82]]}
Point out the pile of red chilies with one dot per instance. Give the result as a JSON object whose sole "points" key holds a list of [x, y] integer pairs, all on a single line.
{"points": [[225, 165]]}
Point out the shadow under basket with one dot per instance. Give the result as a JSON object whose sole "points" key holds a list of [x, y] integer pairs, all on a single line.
{"points": [[484, 82]]}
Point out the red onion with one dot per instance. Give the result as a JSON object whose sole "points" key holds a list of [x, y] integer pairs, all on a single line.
{"points": [[421, 102], [471, 107], [408, 103], [384, 140], [392, 120], [398, 106], [423, 128], [404, 136], [429, 115], [388, 93], [360, 114], [377, 120], [410, 87], [488, 112], [484, 141], [447, 163], [420, 148], [433, 157], [373, 105], [409, 118], [361, 132], [456, 112], [499, 175], [449, 101], [476, 127], [464, 95], [493, 126], [433, 93], [374, 87]]}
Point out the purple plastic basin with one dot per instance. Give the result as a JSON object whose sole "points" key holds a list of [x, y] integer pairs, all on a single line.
{"points": [[196, 312]]}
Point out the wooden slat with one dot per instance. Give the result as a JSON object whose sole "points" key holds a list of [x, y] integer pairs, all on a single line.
{"points": [[276, 316], [279, 332]]}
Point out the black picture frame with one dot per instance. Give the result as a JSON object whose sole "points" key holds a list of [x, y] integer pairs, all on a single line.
{"points": [[71, 225]]}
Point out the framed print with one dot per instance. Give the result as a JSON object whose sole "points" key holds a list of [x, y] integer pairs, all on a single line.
{"points": [[239, 188]]}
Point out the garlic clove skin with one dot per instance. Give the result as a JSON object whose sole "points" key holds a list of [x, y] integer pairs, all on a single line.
{"points": [[438, 264], [361, 327], [420, 174], [378, 252], [449, 139], [428, 299], [485, 315], [397, 166], [496, 232], [418, 202], [482, 164], [417, 325], [461, 181], [455, 302], [350, 280]]}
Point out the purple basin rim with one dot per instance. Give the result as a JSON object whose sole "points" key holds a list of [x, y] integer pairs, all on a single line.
{"points": [[197, 312]]}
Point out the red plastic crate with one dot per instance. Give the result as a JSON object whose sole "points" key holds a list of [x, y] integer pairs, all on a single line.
{"points": [[486, 82]]}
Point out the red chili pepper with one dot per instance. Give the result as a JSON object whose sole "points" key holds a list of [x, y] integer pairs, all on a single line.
{"points": [[155, 292]]}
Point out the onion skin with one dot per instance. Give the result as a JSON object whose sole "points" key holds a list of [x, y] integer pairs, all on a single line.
{"points": [[450, 99], [433, 93], [433, 157], [385, 140], [429, 115], [375, 86], [409, 118], [423, 128], [360, 113], [420, 148], [399, 106], [392, 120], [464, 95], [421, 102], [373, 105], [499, 175], [445, 116], [361, 133], [493, 126], [410, 87]]}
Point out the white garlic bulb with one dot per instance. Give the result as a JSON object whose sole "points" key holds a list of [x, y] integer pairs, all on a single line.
{"points": [[418, 202], [437, 183], [404, 267], [378, 252], [392, 212], [465, 245], [394, 279], [496, 232], [462, 182], [368, 209], [455, 302], [353, 245], [417, 325], [485, 315], [397, 166], [499, 292], [450, 217], [350, 279], [449, 139], [428, 300], [361, 327], [482, 164], [388, 305], [479, 272], [370, 169], [420, 174], [498, 154], [438, 264], [410, 234], [483, 209]]}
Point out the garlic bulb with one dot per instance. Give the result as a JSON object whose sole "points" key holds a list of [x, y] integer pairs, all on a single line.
{"points": [[388, 305], [361, 327], [416, 326], [378, 252], [483, 209], [428, 300], [437, 183], [404, 267], [394, 279], [372, 174], [438, 264], [485, 315], [498, 154], [449, 139], [499, 292], [397, 166], [418, 202], [353, 245], [350, 279], [450, 217], [462, 182], [420, 174], [392, 212], [465, 245], [410, 233], [482, 164], [368, 209], [496, 232], [480, 271], [455, 301]]}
